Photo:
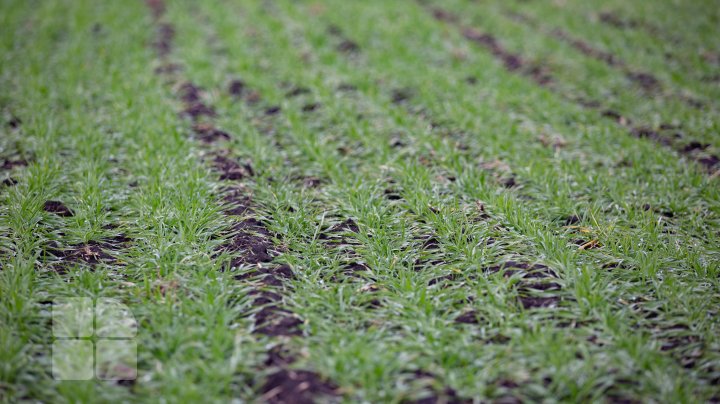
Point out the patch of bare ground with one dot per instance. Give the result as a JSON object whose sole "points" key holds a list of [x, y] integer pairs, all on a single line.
{"points": [[57, 208], [287, 386], [90, 253]]}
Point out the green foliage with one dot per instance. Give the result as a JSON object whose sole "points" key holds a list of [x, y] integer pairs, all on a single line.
{"points": [[425, 178]]}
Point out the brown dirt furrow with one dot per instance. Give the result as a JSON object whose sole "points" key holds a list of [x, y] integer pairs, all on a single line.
{"points": [[531, 283], [670, 137], [615, 20], [646, 81], [587, 49], [249, 240], [514, 63]]}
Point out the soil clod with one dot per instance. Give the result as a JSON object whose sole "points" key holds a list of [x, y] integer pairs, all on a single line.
{"points": [[274, 110], [348, 46], [347, 225], [164, 39], [614, 115], [510, 182], [310, 107], [297, 91], [693, 146], [210, 134], [312, 182], [92, 252], [538, 302], [237, 202], [189, 93], [196, 110], [231, 170], [58, 208], [296, 386], [252, 240], [236, 88], [14, 122], [709, 162], [469, 317], [647, 81], [274, 321], [398, 96], [279, 356], [392, 195]]}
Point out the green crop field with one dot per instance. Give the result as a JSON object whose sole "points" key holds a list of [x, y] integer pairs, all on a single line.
{"points": [[297, 201]]}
